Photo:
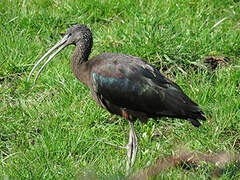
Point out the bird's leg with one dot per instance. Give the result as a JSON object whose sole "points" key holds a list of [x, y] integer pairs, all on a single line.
{"points": [[135, 145], [129, 151], [131, 147]]}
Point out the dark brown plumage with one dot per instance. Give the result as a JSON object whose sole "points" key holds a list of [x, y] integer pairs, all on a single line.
{"points": [[125, 85]]}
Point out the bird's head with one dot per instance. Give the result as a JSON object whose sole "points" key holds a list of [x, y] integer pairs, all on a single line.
{"points": [[78, 34]]}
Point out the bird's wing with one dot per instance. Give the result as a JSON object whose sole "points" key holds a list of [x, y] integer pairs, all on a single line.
{"points": [[134, 84]]}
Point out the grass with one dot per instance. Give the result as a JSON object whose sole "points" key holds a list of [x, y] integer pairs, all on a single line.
{"points": [[56, 131]]}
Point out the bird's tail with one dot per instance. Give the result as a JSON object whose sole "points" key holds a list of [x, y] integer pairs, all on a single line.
{"points": [[199, 115]]}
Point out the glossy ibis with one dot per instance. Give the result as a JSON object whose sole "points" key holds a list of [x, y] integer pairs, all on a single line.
{"points": [[124, 85]]}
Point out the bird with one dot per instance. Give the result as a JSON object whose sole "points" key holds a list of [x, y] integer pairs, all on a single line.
{"points": [[124, 85]]}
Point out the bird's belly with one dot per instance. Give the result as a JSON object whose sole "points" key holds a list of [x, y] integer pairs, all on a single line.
{"points": [[121, 111]]}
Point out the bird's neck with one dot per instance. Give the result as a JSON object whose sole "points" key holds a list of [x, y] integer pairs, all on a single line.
{"points": [[79, 62]]}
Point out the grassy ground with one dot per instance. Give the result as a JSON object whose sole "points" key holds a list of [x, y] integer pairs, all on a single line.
{"points": [[56, 131]]}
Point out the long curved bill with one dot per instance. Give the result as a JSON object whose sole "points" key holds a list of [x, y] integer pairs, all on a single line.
{"points": [[60, 45]]}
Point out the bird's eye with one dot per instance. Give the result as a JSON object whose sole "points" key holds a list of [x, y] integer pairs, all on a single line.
{"points": [[69, 34]]}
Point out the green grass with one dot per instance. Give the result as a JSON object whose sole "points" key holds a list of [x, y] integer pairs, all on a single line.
{"points": [[56, 131]]}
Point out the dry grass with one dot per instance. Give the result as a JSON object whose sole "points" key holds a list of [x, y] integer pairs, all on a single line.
{"points": [[189, 160]]}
